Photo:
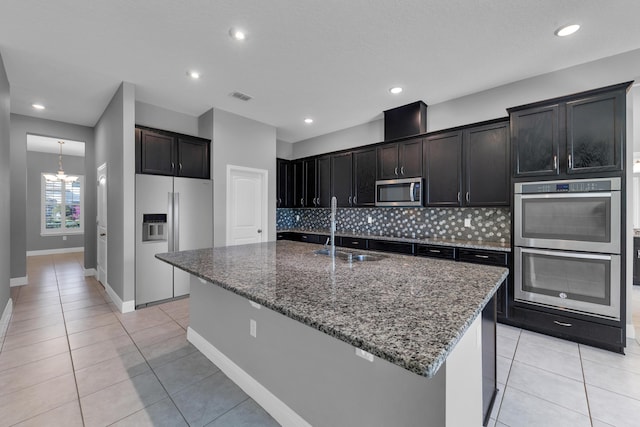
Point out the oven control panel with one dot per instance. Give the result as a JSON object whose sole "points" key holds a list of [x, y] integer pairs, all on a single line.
{"points": [[569, 186]]}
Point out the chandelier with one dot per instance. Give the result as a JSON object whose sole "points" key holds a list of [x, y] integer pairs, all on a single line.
{"points": [[60, 176]]}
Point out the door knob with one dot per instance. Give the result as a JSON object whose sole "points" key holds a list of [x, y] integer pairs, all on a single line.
{"points": [[103, 234], [259, 230]]}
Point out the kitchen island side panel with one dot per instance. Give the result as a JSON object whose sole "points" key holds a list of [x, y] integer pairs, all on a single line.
{"points": [[317, 376]]}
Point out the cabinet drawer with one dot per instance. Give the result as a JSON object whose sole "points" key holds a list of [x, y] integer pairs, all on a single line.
{"points": [[592, 333], [353, 242], [436, 251], [483, 257], [383, 245], [303, 237]]}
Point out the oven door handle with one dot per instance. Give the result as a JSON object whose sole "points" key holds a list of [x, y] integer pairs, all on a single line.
{"points": [[564, 195], [566, 254]]}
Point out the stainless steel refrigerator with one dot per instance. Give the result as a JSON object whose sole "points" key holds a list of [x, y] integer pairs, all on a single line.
{"points": [[172, 214]]}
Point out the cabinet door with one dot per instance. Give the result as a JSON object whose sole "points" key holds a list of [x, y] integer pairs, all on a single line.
{"points": [[193, 158], [486, 151], [443, 163], [323, 188], [157, 153], [364, 177], [309, 183], [284, 184], [298, 184], [595, 131], [341, 176], [410, 158], [535, 136], [388, 161]]}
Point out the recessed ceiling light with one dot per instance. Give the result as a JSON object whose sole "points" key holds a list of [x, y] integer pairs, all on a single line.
{"points": [[193, 74], [308, 120], [237, 34], [567, 30], [38, 106], [395, 90]]}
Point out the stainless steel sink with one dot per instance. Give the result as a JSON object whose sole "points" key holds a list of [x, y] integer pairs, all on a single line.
{"points": [[348, 256]]}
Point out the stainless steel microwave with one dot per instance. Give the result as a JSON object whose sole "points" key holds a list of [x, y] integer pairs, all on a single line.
{"points": [[399, 192]]}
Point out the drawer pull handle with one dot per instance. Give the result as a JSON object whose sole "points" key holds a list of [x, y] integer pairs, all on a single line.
{"points": [[566, 325], [304, 237], [482, 256], [435, 251], [355, 243]]}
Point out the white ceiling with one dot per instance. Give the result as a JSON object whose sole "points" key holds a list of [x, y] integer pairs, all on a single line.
{"points": [[44, 144], [332, 60]]}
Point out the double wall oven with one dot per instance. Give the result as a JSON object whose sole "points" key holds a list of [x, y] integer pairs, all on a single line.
{"points": [[567, 245]]}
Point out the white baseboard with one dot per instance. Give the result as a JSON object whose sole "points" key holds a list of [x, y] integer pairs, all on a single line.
{"points": [[18, 281], [6, 316], [90, 272], [123, 306], [55, 251], [282, 413], [631, 331]]}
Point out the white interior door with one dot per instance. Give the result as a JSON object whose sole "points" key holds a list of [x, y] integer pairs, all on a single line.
{"points": [[246, 205], [101, 222]]}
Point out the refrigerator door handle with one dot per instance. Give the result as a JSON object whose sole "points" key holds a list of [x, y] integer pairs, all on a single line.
{"points": [[176, 222], [170, 221]]}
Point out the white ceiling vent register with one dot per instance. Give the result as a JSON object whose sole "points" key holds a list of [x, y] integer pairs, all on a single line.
{"points": [[241, 96]]}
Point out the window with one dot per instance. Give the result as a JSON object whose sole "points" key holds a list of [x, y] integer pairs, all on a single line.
{"points": [[62, 206]]}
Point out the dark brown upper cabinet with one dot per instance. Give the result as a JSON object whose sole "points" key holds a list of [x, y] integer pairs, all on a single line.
{"points": [[400, 159], [297, 168], [165, 153], [469, 166], [323, 184], [486, 165], [284, 186], [342, 178], [443, 166], [364, 177], [578, 134]]}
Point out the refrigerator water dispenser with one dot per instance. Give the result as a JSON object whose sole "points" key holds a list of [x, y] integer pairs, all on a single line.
{"points": [[154, 227]]}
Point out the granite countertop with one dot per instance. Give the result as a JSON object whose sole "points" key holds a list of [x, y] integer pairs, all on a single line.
{"points": [[471, 244], [410, 311]]}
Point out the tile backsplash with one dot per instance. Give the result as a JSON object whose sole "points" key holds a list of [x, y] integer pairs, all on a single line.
{"points": [[486, 224]]}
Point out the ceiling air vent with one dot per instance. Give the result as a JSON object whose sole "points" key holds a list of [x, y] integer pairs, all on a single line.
{"points": [[241, 96]]}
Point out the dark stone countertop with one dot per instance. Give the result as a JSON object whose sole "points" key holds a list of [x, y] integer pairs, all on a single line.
{"points": [[410, 311], [471, 244]]}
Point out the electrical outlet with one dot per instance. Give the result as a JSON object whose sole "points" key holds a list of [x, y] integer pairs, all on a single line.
{"points": [[252, 327], [467, 222], [297, 217], [64, 237], [369, 219]]}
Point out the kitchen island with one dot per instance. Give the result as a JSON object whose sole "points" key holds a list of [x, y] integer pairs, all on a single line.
{"points": [[415, 324]]}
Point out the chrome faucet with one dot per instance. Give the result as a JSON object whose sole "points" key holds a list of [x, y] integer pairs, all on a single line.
{"points": [[334, 206]]}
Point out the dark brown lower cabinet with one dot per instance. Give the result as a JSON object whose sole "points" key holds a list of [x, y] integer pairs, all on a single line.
{"points": [[489, 368]]}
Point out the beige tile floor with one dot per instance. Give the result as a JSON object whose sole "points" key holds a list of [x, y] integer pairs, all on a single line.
{"points": [[70, 358]]}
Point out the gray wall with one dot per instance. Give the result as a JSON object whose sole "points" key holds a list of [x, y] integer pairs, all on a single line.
{"points": [[161, 118], [244, 142], [5, 225], [284, 150], [38, 163], [115, 145], [489, 104], [20, 127]]}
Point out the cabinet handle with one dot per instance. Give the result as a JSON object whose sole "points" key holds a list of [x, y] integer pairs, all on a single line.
{"points": [[304, 237], [402, 170], [180, 165], [355, 243], [566, 325], [396, 171], [570, 162], [173, 166], [458, 197], [355, 198], [555, 162], [302, 201], [482, 256], [435, 251], [467, 197], [350, 199], [279, 201]]}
